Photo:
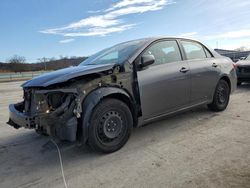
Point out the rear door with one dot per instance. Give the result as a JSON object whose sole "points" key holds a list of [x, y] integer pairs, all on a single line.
{"points": [[165, 85], [204, 71]]}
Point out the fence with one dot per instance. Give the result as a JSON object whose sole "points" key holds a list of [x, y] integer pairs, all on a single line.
{"points": [[4, 77]]}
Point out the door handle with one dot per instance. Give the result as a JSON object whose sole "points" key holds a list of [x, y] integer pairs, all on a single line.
{"points": [[184, 70], [214, 65]]}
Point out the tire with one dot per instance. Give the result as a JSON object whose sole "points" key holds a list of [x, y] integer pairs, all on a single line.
{"points": [[239, 83], [221, 97], [111, 124]]}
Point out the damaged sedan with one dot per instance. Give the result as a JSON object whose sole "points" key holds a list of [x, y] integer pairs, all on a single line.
{"points": [[128, 85]]}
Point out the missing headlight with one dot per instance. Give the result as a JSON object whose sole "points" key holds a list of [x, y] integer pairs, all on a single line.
{"points": [[56, 99]]}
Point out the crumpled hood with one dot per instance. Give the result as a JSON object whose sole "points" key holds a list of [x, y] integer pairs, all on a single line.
{"points": [[243, 63], [66, 74]]}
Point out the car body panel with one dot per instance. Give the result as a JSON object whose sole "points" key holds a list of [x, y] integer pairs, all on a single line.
{"points": [[151, 93], [204, 78], [243, 70], [157, 84], [66, 74]]}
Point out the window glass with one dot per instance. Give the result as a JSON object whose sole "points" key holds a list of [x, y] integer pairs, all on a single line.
{"points": [[248, 58], [193, 50], [209, 55], [116, 54], [164, 52]]}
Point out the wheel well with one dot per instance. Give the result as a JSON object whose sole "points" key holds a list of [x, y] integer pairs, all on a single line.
{"points": [[225, 78], [128, 102]]}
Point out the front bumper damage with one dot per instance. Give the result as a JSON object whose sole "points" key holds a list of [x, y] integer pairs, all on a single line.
{"points": [[60, 122]]}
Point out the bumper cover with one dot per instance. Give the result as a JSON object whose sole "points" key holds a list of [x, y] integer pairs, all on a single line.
{"points": [[63, 126], [18, 119]]}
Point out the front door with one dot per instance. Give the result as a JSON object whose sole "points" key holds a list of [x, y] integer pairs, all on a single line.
{"points": [[165, 85]]}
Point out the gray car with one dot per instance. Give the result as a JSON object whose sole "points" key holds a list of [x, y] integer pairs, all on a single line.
{"points": [[128, 85], [243, 70]]}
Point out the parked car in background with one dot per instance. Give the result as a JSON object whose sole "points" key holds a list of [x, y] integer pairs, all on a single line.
{"points": [[125, 86], [243, 70]]}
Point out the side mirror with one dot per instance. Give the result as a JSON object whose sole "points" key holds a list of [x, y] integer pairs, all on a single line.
{"points": [[147, 60]]}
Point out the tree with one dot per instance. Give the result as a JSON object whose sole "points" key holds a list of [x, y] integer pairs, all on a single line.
{"points": [[16, 59], [44, 61], [17, 63]]}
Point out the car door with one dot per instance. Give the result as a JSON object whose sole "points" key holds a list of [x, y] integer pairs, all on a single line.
{"points": [[165, 85], [204, 71]]}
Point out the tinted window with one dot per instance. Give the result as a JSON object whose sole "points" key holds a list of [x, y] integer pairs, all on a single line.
{"points": [[209, 55], [116, 54], [164, 52], [193, 50]]}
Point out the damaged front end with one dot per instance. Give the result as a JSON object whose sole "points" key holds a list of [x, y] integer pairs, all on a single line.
{"points": [[50, 112], [60, 104]]}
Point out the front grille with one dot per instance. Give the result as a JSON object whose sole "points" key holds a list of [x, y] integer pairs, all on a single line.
{"points": [[244, 69]]}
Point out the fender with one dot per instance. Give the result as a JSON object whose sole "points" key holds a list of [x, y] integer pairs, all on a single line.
{"points": [[92, 100]]}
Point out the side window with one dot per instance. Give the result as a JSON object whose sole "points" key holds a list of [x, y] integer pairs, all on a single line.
{"points": [[209, 55], [193, 50], [164, 52]]}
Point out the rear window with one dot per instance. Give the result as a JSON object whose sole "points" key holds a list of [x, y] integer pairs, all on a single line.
{"points": [[193, 50], [208, 53]]}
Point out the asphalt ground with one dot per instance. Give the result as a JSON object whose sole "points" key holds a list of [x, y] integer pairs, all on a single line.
{"points": [[198, 148]]}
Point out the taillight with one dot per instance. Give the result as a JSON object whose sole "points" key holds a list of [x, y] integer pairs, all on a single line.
{"points": [[235, 65]]}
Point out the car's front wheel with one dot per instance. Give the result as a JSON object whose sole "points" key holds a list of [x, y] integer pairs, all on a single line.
{"points": [[110, 126], [221, 97]]}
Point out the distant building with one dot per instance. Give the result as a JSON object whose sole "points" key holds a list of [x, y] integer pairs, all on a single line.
{"points": [[234, 55]]}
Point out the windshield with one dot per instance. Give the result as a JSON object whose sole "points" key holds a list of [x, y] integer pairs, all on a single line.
{"points": [[116, 54], [248, 58]]}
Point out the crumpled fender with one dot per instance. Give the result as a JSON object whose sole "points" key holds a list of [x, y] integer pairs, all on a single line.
{"points": [[92, 100]]}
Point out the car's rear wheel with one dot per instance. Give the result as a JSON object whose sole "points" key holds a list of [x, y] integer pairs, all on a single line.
{"points": [[221, 97], [110, 126]]}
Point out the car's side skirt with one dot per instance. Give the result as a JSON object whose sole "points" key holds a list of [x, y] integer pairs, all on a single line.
{"points": [[142, 122]]}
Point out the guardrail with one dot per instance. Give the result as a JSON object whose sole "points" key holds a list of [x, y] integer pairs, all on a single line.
{"points": [[5, 77]]}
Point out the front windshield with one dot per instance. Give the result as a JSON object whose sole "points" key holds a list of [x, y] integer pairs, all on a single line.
{"points": [[248, 58], [116, 54]]}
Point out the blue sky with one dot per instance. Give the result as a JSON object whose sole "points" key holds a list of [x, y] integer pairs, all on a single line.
{"points": [[50, 28]]}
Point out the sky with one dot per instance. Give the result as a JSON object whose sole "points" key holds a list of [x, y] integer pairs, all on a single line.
{"points": [[54, 28]]}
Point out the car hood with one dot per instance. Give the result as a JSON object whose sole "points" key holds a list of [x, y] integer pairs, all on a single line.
{"points": [[243, 63], [66, 74]]}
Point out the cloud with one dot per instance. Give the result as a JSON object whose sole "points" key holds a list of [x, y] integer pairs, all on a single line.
{"points": [[94, 11], [110, 21], [230, 35], [99, 31], [66, 41], [191, 34]]}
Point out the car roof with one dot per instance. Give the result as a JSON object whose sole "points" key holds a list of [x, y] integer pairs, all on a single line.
{"points": [[149, 40], [152, 39]]}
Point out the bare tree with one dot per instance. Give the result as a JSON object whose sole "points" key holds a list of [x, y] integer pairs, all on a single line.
{"points": [[16, 59], [44, 60], [17, 63]]}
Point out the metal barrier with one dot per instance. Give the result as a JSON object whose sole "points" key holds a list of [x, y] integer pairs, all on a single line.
{"points": [[19, 76]]}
